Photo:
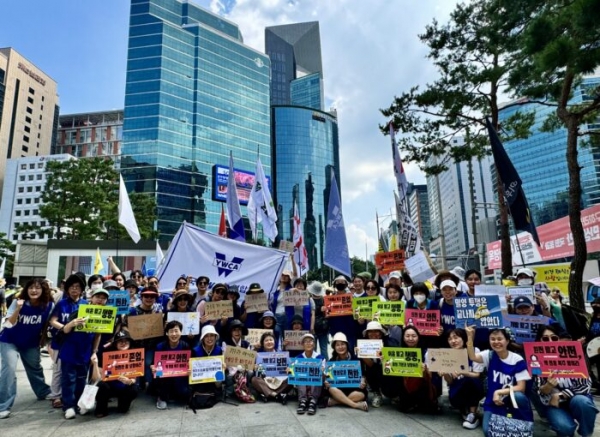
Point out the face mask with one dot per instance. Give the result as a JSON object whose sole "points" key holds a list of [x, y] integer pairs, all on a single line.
{"points": [[96, 287], [420, 298], [526, 281], [340, 287]]}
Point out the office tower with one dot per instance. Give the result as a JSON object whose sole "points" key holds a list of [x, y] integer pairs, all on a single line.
{"points": [[194, 92], [418, 209], [90, 134]]}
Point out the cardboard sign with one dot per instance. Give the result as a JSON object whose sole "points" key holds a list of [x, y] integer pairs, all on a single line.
{"points": [[298, 298], [256, 303], [524, 328], [428, 322], [306, 371], [338, 305], [564, 359], [100, 318], [343, 373], [286, 246], [238, 356], [522, 290], [129, 363], [190, 322], [481, 311], [119, 299], [362, 307], [217, 310], [387, 262], [206, 369], [389, 313], [447, 360], [493, 290], [369, 348], [593, 347], [254, 335], [272, 364], [171, 364], [146, 326], [294, 339], [402, 361]]}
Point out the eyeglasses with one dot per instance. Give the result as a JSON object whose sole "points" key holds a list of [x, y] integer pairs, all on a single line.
{"points": [[182, 283], [136, 276], [202, 282], [371, 288], [155, 283], [550, 338]]}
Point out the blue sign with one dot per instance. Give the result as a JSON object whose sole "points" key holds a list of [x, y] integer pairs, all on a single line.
{"points": [[524, 328], [343, 373], [306, 371], [272, 364], [119, 299], [244, 180], [481, 311]]}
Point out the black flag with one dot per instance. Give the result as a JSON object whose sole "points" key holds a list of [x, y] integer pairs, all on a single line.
{"points": [[513, 186]]}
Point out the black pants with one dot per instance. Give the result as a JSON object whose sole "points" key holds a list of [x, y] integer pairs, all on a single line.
{"points": [[389, 386], [467, 394], [175, 389], [125, 395]]}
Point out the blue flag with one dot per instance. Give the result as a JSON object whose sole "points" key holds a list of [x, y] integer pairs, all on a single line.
{"points": [[336, 245], [234, 215]]}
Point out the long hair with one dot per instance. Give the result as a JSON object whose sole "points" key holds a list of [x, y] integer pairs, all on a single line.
{"points": [[46, 296]]}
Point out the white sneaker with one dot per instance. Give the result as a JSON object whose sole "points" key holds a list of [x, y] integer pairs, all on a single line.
{"points": [[83, 411], [471, 422], [161, 405], [4, 414], [70, 413]]}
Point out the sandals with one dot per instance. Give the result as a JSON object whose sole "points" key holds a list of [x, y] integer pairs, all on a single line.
{"points": [[302, 406], [312, 407], [364, 405], [57, 403]]}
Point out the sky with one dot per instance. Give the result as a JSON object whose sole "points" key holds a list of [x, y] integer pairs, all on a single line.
{"points": [[370, 49]]}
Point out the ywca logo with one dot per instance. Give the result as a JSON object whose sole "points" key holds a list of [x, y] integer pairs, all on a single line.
{"points": [[226, 267]]}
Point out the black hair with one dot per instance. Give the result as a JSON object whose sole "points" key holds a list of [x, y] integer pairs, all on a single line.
{"points": [[540, 332], [374, 282], [395, 287], [406, 279], [419, 287], [301, 280], [264, 336], [460, 333], [134, 273], [114, 276], [93, 279], [173, 324], [471, 271], [412, 328]]}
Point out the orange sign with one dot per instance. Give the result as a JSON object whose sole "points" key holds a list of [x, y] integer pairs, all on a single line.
{"points": [[387, 262], [338, 305], [128, 363]]}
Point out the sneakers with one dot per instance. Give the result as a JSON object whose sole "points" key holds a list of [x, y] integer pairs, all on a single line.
{"points": [[376, 401], [83, 411], [161, 405], [4, 414], [70, 413], [471, 422]]}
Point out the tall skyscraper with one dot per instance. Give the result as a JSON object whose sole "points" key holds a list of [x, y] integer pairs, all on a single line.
{"points": [[28, 109], [418, 209], [194, 92]]}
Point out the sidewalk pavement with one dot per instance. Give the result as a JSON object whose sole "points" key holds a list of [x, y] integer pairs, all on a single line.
{"points": [[31, 417]]}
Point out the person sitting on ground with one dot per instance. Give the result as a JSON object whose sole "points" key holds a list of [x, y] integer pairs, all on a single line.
{"points": [[270, 387], [308, 396], [208, 347]]}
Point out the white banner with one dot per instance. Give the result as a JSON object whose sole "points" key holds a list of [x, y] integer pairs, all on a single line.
{"points": [[196, 252]]}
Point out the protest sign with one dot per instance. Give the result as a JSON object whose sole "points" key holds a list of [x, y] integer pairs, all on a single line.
{"points": [[295, 298], [369, 348], [524, 328], [294, 339], [254, 335], [129, 363], [119, 299], [343, 373], [145, 326], [338, 305], [287, 246], [428, 322], [527, 291], [447, 360], [272, 364], [387, 262], [493, 290], [362, 307], [306, 371], [481, 311], [402, 361], [564, 359], [190, 322], [389, 313], [256, 303], [206, 369], [217, 310], [239, 356], [100, 319], [419, 267], [171, 364]]}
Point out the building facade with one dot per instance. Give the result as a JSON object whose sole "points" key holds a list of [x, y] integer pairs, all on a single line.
{"points": [[91, 134], [194, 92], [28, 109], [418, 209]]}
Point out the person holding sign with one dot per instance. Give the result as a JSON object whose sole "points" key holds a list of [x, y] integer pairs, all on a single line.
{"points": [[182, 303], [524, 307], [345, 324], [276, 303], [208, 347], [419, 301], [393, 293], [274, 387], [308, 395], [306, 311]]}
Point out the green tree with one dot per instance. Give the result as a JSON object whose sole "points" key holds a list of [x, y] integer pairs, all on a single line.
{"points": [[7, 251], [557, 44]]}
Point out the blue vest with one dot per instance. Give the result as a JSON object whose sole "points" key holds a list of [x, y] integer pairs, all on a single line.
{"points": [[447, 316], [25, 334], [63, 310], [499, 375]]}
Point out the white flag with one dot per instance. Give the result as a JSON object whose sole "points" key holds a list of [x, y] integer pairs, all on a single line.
{"points": [[159, 256], [2, 267], [126, 217], [300, 253], [260, 205]]}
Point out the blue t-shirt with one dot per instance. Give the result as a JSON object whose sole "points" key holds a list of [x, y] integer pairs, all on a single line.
{"points": [[77, 346], [447, 315], [25, 334], [62, 311], [500, 374]]}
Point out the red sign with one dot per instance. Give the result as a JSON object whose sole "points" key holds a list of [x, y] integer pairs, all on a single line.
{"points": [[338, 305], [563, 359], [129, 363], [170, 364], [387, 262], [426, 321], [556, 241]]}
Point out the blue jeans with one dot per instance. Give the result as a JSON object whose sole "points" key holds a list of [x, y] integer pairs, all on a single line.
{"points": [[281, 326], [323, 340], [581, 409], [522, 403], [148, 361], [31, 360], [73, 380]]}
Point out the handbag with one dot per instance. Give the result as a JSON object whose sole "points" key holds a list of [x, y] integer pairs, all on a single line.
{"points": [[514, 422], [87, 401]]}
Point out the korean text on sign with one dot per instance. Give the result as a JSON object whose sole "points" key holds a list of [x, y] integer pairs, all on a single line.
{"points": [[524, 328], [426, 321], [129, 363], [481, 311], [362, 307], [272, 364], [389, 313], [171, 364], [99, 319], [402, 361], [306, 371], [338, 305], [119, 299], [294, 340], [343, 373], [369, 348], [206, 369], [564, 359]]}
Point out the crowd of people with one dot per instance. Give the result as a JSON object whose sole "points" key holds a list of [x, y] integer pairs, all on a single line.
{"points": [[496, 379]]}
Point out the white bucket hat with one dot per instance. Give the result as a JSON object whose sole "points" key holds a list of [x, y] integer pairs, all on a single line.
{"points": [[339, 336], [316, 289], [208, 329], [373, 326]]}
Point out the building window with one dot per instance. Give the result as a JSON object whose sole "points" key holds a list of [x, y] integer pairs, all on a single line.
{"points": [[31, 166], [28, 201], [22, 178], [39, 177], [38, 189], [27, 119], [29, 189], [21, 189], [36, 200], [25, 149], [31, 91], [25, 138], [36, 212], [23, 166], [29, 99], [29, 110], [40, 165], [26, 212], [30, 177], [19, 201], [43, 98], [15, 237], [42, 107], [18, 213], [27, 129]]}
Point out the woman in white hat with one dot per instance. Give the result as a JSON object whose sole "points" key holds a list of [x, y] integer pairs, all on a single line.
{"points": [[371, 367], [352, 397], [208, 347]]}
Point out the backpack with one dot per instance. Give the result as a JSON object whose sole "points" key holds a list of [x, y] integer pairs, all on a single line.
{"points": [[202, 401], [240, 387]]}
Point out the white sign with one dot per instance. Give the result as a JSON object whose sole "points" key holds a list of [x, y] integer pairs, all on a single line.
{"points": [[493, 290], [418, 267]]}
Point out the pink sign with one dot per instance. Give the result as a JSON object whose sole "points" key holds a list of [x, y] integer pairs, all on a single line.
{"points": [[426, 321], [563, 359], [170, 364]]}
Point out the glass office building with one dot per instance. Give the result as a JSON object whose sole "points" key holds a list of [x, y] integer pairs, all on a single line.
{"points": [[541, 163], [194, 92], [305, 149], [307, 91]]}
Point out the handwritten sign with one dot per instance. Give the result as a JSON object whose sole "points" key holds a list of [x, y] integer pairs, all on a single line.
{"points": [[295, 298], [206, 369], [524, 328], [256, 303], [343, 373], [171, 364], [493, 290], [306, 371], [145, 326], [387, 262], [239, 356], [389, 313], [272, 364], [129, 363], [362, 307], [402, 361], [527, 291], [563, 358], [419, 266], [447, 360], [294, 340], [286, 246], [369, 348], [217, 310], [428, 322], [482, 311], [119, 299], [338, 305], [190, 322], [254, 335], [100, 318]]}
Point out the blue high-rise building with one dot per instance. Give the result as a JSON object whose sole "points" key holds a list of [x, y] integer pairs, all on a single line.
{"points": [[194, 92]]}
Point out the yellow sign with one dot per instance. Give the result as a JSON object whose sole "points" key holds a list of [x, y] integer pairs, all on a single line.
{"points": [[99, 319], [555, 275]]}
